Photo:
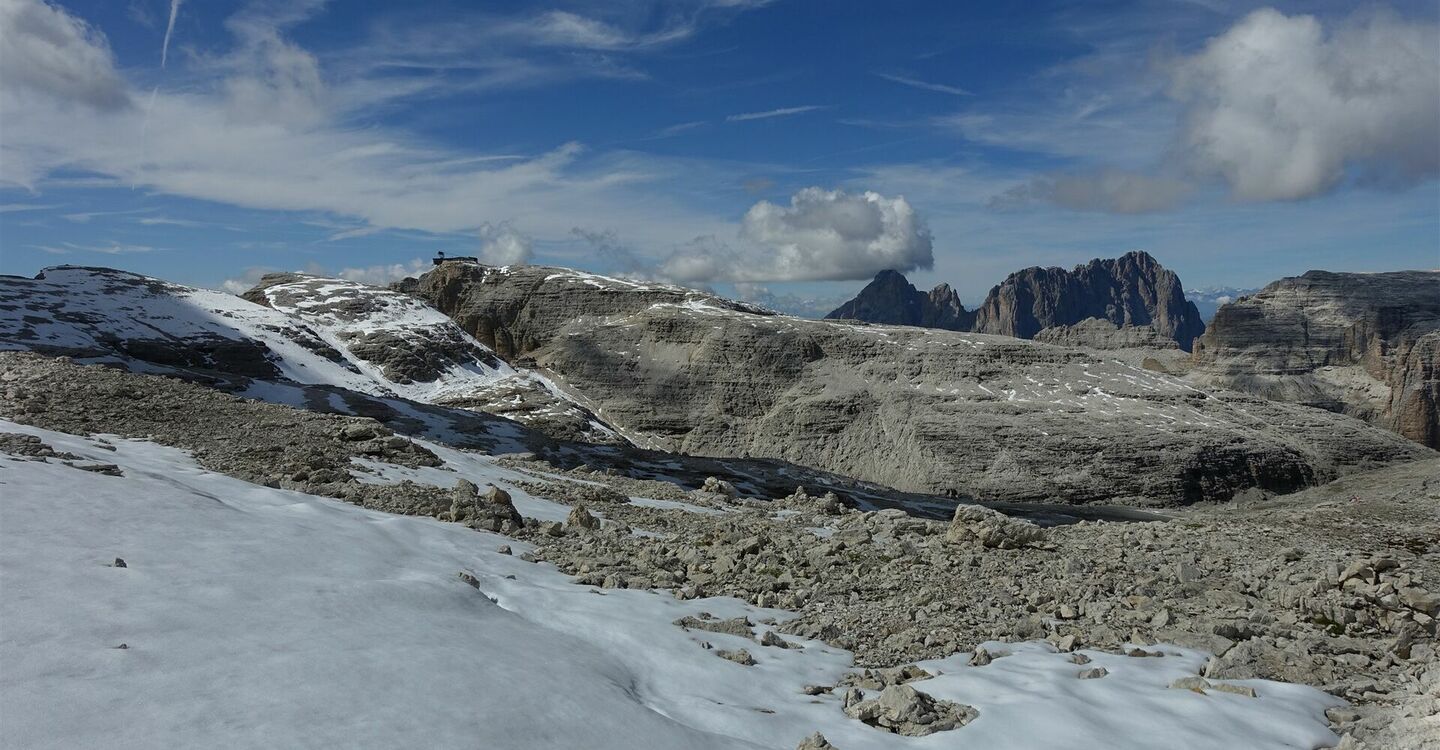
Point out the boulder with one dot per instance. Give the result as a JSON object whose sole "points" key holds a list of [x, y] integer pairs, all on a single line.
{"points": [[974, 524], [906, 711]]}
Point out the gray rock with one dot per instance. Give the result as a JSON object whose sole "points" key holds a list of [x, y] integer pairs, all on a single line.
{"points": [[581, 518], [1096, 333], [1129, 292], [739, 656], [815, 741], [717, 486], [1196, 683], [893, 300], [977, 524], [906, 711], [1366, 344], [1004, 419]]}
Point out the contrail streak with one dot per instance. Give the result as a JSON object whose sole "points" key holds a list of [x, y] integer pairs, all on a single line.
{"points": [[169, 29]]}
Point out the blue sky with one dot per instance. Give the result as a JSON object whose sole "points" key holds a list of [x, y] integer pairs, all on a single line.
{"points": [[764, 149]]}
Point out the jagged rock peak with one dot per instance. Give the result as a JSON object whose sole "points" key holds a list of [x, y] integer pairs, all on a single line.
{"points": [[891, 299], [1132, 290]]}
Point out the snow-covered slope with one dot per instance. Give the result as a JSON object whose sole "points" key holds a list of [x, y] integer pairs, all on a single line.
{"points": [[254, 617], [421, 354], [311, 331], [105, 314]]}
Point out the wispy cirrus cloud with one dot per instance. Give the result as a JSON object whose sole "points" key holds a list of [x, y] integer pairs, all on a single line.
{"points": [[924, 85], [265, 125], [108, 248], [772, 113]]}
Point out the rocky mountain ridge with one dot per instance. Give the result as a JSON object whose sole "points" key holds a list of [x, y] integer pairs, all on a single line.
{"points": [[918, 409], [1367, 345], [1133, 290], [359, 340], [892, 300]]}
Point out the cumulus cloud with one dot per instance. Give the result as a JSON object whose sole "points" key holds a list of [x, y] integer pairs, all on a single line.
{"points": [[1109, 191], [246, 281], [1275, 108], [1282, 110], [44, 49], [820, 235], [501, 245]]}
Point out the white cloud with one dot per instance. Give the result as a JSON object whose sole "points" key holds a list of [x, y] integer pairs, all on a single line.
{"points": [[245, 281], [769, 113], [106, 248], [44, 49], [501, 245], [1282, 110], [264, 125], [821, 235]]}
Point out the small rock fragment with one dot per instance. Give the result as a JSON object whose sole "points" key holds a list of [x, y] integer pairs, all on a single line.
{"points": [[1195, 682], [815, 741], [581, 518], [1244, 690], [739, 656]]}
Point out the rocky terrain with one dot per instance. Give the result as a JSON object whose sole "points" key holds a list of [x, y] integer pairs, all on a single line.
{"points": [[1095, 333], [891, 300], [1366, 345], [924, 410], [1132, 291], [362, 341], [1337, 586]]}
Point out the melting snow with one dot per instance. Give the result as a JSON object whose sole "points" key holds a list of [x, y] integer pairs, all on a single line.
{"points": [[257, 617]]}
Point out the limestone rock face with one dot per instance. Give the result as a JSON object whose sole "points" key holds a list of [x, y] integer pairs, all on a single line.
{"points": [[1101, 334], [1367, 345], [924, 410], [1132, 290], [892, 300], [515, 310], [1133, 293]]}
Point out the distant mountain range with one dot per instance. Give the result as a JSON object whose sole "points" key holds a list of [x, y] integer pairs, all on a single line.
{"points": [[1209, 299], [1133, 290]]}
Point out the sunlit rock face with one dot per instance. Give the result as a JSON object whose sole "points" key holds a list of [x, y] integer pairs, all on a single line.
{"points": [[1367, 345]]}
